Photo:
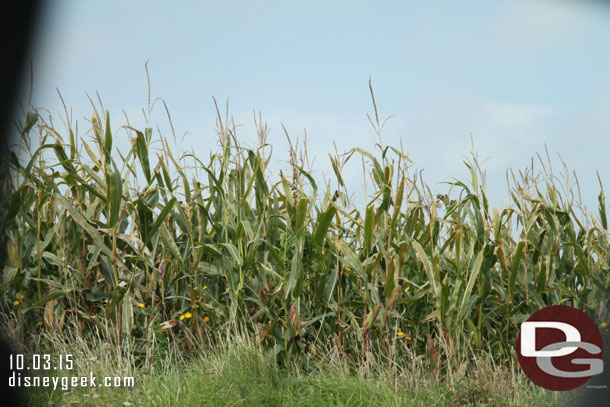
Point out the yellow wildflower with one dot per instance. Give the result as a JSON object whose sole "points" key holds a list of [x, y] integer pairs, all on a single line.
{"points": [[407, 289], [401, 334], [188, 315], [182, 317], [20, 296], [16, 303], [206, 319], [604, 324], [141, 305], [205, 287]]}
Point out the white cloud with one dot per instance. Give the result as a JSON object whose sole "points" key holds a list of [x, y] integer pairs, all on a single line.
{"points": [[535, 23], [511, 115]]}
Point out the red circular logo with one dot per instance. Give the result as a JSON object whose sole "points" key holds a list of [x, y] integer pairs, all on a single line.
{"points": [[559, 348]]}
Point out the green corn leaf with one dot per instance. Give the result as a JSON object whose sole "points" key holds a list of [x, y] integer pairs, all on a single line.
{"points": [[8, 275], [602, 210], [400, 192], [114, 182], [293, 278], [323, 224], [169, 242], [514, 269], [187, 188], [368, 228], [331, 283], [142, 153], [108, 139], [336, 170], [474, 273], [352, 261], [31, 118], [107, 273], [421, 253], [47, 298], [162, 216], [301, 214], [82, 222], [389, 281], [233, 252]]}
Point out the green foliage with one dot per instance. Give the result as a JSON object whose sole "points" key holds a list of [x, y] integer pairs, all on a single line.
{"points": [[245, 376], [185, 255]]}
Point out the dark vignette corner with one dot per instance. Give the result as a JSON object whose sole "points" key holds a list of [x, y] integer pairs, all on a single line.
{"points": [[18, 27]]}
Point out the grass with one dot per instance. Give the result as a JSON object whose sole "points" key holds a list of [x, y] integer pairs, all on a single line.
{"points": [[240, 374]]}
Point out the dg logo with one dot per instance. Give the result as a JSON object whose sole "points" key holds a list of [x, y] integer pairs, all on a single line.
{"points": [[560, 348]]}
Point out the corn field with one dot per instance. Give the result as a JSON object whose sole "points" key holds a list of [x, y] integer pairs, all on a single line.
{"points": [[163, 246]]}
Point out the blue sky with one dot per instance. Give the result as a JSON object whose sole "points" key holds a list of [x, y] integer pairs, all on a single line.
{"points": [[518, 75]]}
